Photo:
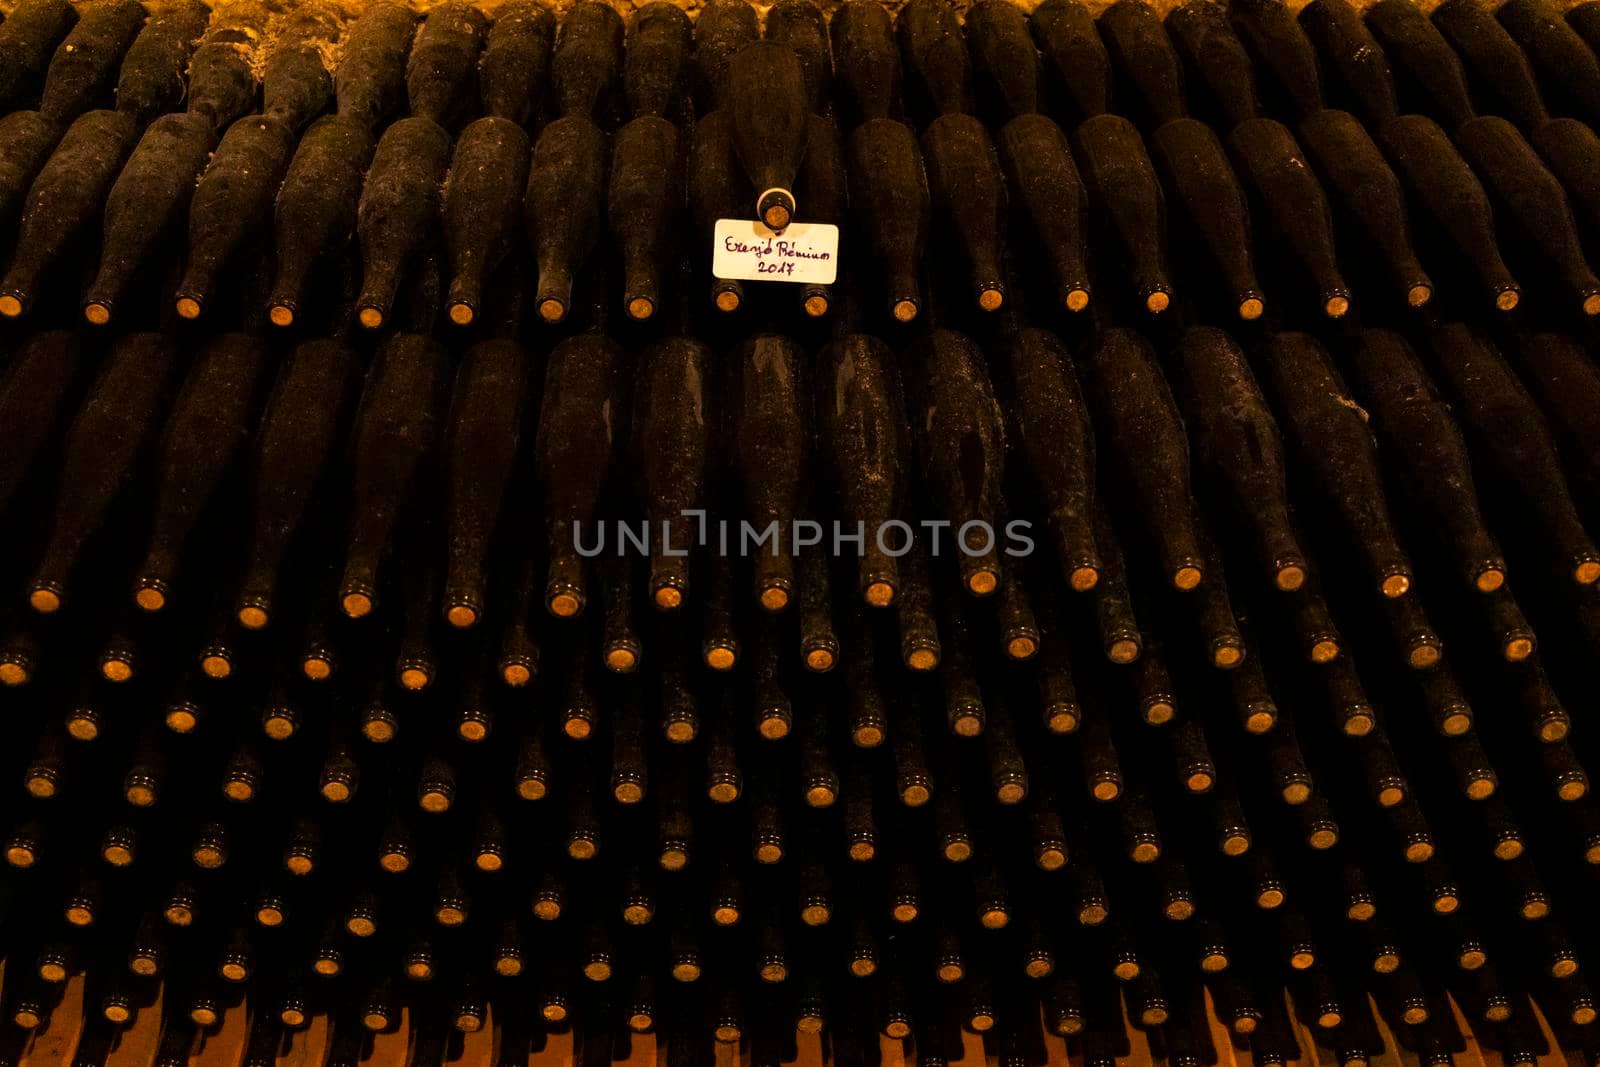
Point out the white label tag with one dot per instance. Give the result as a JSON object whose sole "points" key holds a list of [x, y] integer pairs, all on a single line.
{"points": [[746, 250]]}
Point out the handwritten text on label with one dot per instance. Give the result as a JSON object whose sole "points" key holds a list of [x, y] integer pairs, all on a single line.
{"points": [[805, 252]]}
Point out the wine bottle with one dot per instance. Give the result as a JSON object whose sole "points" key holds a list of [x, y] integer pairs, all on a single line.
{"points": [[825, 184], [398, 215], [26, 140], [968, 192], [889, 195], [488, 174], [935, 54], [1237, 441], [394, 435], [27, 44], [151, 81], [1426, 68], [1572, 152], [1346, 45], [36, 402], [1052, 426], [1366, 190], [563, 202], [152, 192], [1281, 51], [1211, 51], [1275, 167], [1439, 180], [442, 67], [516, 61], [1337, 449], [574, 451], [64, 201], [799, 24], [655, 66], [1566, 384], [81, 69], [230, 204], [1197, 174], [222, 73], [1138, 45], [296, 439], [317, 205], [369, 82], [1122, 187], [770, 437], [296, 85], [1145, 433], [1417, 428], [866, 61], [101, 449], [718, 189], [1568, 71], [722, 30], [1498, 68], [587, 61], [209, 424], [644, 202], [1038, 164], [767, 86], [1511, 430], [1066, 35], [481, 438], [1005, 57], [962, 450], [671, 427], [1534, 201]]}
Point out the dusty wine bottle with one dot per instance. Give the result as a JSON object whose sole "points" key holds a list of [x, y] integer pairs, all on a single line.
{"points": [[36, 402], [369, 83], [1066, 34], [1138, 45], [1498, 68], [481, 438], [1005, 57], [563, 203], [1210, 49], [442, 68], [1052, 423], [825, 184], [151, 81], [966, 189], [718, 189], [769, 125], [1568, 71], [1346, 45], [482, 195], [644, 202], [866, 61], [1281, 51], [82, 67], [671, 427], [222, 72], [770, 437], [1037, 161], [27, 43], [398, 214], [516, 61], [587, 60], [316, 209], [655, 66], [574, 453], [889, 196], [721, 31]]}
